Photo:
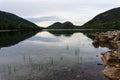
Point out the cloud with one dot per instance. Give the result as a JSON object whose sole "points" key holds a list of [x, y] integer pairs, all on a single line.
{"points": [[46, 18], [71, 10]]}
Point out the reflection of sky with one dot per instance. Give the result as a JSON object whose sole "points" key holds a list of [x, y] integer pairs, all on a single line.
{"points": [[45, 45]]}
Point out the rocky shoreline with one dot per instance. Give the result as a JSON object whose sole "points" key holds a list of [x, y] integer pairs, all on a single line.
{"points": [[111, 59]]}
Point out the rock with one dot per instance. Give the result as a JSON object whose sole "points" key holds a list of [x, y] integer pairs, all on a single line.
{"points": [[103, 39], [97, 55], [102, 53], [111, 37], [117, 38], [111, 59], [95, 43], [78, 75], [99, 64], [117, 65], [112, 73]]}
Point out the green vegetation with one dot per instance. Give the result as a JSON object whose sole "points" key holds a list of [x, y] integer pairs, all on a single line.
{"points": [[58, 25], [107, 20], [10, 21]]}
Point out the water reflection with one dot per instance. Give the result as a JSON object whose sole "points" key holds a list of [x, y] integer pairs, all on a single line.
{"points": [[11, 38], [49, 57], [68, 33], [103, 44]]}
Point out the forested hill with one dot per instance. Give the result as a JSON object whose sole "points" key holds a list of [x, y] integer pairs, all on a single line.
{"points": [[106, 20], [9, 21], [65, 25]]}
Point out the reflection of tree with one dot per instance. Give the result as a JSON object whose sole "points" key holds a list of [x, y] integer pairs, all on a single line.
{"points": [[62, 32], [12, 38], [102, 44], [68, 33]]}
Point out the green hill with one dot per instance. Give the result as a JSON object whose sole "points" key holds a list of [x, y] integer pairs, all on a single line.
{"points": [[9, 21], [107, 20], [58, 25]]}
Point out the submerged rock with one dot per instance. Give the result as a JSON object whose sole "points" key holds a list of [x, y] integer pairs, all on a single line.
{"points": [[112, 73], [111, 60]]}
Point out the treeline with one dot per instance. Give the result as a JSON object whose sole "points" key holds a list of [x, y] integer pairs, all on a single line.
{"points": [[107, 20], [11, 21]]}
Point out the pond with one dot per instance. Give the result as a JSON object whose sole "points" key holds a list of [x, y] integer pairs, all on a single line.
{"points": [[50, 55]]}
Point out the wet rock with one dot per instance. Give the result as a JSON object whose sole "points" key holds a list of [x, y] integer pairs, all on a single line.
{"points": [[95, 43], [111, 58], [112, 73], [99, 64], [103, 38], [97, 55], [108, 36], [111, 61], [78, 75], [117, 38]]}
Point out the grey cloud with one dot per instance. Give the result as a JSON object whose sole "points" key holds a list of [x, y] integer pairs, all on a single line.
{"points": [[46, 18], [62, 8]]}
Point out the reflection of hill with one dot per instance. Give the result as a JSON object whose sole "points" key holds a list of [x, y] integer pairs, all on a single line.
{"points": [[65, 32], [12, 38], [62, 32]]}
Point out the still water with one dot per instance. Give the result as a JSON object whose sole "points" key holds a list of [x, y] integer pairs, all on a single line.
{"points": [[49, 55]]}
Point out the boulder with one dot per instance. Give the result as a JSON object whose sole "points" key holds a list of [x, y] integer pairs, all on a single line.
{"points": [[117, 38], [103, 39], [95, 43], [112, 73]]}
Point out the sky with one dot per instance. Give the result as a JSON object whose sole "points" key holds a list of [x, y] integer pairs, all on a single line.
{"points": [[46, 12]]}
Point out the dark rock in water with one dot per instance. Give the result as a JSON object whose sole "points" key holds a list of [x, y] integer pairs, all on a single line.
{"points": [[97, 56], [95, 43], [99, 64]]}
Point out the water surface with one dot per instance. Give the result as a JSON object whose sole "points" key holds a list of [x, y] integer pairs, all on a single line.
{"points": [[50, 55]]}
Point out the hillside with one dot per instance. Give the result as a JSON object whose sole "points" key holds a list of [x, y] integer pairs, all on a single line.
{"points": [[9, 21], [107, 20], [65, 25]]}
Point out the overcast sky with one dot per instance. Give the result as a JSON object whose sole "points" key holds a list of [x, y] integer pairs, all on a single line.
{"points": [[45, 12]]}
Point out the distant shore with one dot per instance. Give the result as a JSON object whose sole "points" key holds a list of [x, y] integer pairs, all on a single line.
{"points": [[7, 30]]}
